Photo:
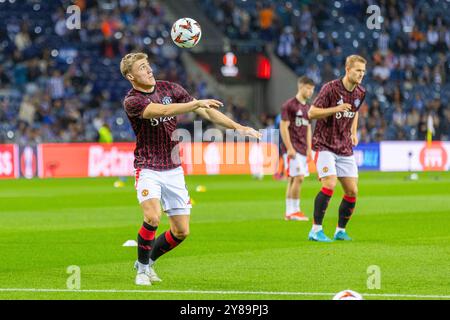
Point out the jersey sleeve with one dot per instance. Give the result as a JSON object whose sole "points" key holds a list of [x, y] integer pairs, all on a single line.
{"points": [[134, 107], [323, 98], [285, 111], [180, 94]]}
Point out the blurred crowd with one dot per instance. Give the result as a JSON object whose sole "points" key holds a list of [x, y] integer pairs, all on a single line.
{"points": [[61, 85], [408, 54]]}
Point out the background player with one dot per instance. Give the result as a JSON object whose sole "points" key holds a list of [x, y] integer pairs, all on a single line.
{"points": [[296, 148], [335, 134], [152, 107]]}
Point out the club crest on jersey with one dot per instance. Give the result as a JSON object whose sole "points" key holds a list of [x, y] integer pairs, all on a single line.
{"points": [[166, 100], [357, 102]]}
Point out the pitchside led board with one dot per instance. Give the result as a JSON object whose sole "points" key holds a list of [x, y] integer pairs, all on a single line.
{"points": [[94, 160], [234, 68]]}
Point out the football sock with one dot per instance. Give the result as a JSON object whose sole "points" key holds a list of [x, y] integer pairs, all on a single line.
{"points": [[290, 206], [316, 227], [164, 243], [142, 267], [146, 239], [321, 204], [296, 203], [345, 210], [339, 229]]}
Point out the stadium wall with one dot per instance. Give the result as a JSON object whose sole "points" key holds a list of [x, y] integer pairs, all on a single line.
{"points": [[62, 160]]}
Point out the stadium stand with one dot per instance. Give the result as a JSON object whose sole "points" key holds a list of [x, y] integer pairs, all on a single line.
{"points": [[409, 57]]}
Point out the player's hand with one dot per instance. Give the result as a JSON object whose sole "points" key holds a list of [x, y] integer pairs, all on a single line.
{"points": [[291, 153], [344, 107], [208, 104], [249, 132], [355, 140]]}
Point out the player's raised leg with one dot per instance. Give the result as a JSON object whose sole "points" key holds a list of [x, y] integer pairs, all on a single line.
{"points": [[350, 186], [179, 230]]}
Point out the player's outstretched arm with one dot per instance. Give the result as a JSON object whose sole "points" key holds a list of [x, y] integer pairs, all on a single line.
{"points": [[319, 113], [219, 118], [154, 110]]}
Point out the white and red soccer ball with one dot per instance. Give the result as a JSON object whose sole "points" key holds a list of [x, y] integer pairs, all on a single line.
{"points": [[186, 33], [348, 295]]}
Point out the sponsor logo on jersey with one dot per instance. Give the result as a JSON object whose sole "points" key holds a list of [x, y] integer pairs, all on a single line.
{"points": [[299, 120], [157, 121], [345, 114]]}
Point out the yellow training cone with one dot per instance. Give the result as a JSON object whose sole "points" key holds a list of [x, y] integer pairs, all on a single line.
{"points": [[200, 188]]}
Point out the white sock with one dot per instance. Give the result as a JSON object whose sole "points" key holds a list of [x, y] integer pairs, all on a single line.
{"points": [[151, 263], [339, 229], [296, 203], [316, 227], [142, 267], [290, 209]]}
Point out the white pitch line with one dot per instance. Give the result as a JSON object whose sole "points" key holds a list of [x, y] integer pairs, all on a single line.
{"points": [[269, 293]]}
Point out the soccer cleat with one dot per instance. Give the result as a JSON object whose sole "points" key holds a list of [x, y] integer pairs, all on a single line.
{"points": [[143, 279], [297, 216], [342, 235], [318, 236], [153, 276], [151, 273]]}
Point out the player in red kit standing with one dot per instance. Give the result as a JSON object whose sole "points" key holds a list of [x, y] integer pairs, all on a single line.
{"points": [[296, 148], [335, 134], [152, 107]]}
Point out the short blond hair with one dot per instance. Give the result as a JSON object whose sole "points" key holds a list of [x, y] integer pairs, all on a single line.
{"points": [[127, 62], [352, 59]]}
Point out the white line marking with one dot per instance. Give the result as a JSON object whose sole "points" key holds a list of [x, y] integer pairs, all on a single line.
{"points": [[268, 293]]}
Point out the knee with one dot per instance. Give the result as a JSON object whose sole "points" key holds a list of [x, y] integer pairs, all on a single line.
{"points": [[353, 192], [152, 212], [329, 184], [181, 233], [298, 180], [152, 217]]}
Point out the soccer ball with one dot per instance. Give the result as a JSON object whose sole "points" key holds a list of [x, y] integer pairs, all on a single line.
{"points": [[348, 295], [186, 32]]}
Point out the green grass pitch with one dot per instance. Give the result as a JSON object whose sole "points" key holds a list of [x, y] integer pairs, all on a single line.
{"points": [[239, 248]]}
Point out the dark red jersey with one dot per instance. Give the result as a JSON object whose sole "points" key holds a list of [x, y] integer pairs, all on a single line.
{"points": [[297, 115], [334, 132], [155, 147]]}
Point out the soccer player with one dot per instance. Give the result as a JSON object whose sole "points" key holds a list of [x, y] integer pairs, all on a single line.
{"points": [[296, 135], [336, 108], [152, 107]]}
